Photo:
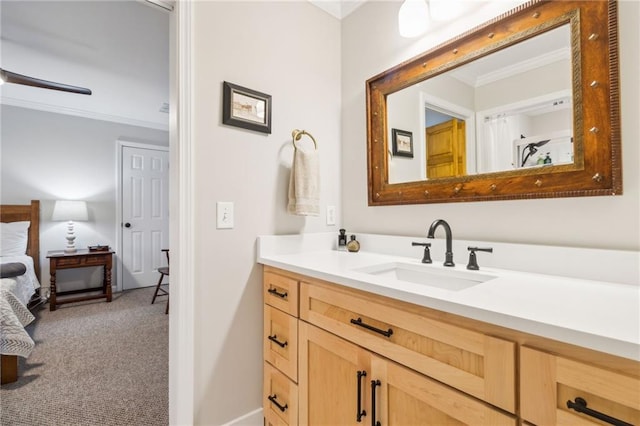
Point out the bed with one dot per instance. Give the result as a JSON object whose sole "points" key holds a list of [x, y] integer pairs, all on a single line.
{"points": [[19, 283]]}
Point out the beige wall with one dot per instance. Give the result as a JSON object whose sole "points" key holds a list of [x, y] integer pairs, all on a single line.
{"points": [[290, 50], [315, 68], [371, 44]]}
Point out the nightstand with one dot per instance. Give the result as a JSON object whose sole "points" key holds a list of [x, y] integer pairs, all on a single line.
{"points": [[82, 258]]}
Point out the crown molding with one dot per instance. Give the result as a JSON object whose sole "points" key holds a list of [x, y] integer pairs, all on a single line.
{"points": [[339, 9], [40, 106]]}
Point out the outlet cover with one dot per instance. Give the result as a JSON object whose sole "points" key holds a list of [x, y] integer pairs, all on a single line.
{"points": [[224, 215], [331, 215]]}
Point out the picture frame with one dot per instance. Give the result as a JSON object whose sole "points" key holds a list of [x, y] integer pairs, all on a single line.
{"points": [[402, 143], [246, 108]]}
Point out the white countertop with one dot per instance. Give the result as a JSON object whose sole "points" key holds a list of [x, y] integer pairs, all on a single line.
{"points": [[600, 315]]}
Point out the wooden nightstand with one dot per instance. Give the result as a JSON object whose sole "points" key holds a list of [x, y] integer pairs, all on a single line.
{"points": [[80, 259]]}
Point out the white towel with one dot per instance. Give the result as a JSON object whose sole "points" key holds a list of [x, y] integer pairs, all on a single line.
{"points": [[304, 184]]}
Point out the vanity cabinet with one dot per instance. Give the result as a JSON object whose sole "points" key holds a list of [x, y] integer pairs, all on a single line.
{"points": [[477, 364], [344, 384], [427, 366], [280, 349], [550, 384]]}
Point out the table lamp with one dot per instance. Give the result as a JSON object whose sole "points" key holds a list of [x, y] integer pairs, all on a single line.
{"points": [[70, 211]]}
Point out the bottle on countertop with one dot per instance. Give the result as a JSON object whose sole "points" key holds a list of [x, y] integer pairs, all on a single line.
{"points": [[540, 160], [547, 159], [353, 245], [342, 240]]}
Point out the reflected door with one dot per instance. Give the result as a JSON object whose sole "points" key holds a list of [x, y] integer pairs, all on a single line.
{"points": [[145, 214], [446, 153]]}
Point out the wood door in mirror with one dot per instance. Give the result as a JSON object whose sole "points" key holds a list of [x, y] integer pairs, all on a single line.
{"points": [[595, 168]]}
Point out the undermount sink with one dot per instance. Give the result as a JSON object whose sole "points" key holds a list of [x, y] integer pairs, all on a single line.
{"points": [[453, 280]]}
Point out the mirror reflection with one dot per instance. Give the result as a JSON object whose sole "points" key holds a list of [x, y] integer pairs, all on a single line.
{"points": [[509, 110]]}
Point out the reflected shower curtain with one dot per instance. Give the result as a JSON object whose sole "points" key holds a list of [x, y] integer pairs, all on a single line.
{"points": [[495, 150]]}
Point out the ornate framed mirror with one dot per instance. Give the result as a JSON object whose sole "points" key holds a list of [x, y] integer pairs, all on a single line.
{"points": [[523, 106]]}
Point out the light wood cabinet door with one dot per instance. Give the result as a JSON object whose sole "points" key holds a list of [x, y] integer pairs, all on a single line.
{"points": [[280, 403], [479, 365], [404, 397], [328, 379], [549, 383], [280, 341]]}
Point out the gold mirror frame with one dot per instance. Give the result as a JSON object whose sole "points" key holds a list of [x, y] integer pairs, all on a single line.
{"points": [[597, 168]]}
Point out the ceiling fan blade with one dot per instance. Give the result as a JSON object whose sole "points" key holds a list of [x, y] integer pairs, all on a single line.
{"points": [[12, 77]]}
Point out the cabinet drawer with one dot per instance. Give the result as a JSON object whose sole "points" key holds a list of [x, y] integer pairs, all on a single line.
{"points": [[281, 341], [281, 292], [405, 397], [280, 403], [548, 382], [68, 261], [94, 260], [480, 365]]}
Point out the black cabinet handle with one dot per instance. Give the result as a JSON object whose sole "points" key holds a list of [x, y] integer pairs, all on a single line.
{"points": [[275, 340], [275, 293], [374, 385], [580, 405], [361, 412], [127, 225], [359, 322], [274, 401]]}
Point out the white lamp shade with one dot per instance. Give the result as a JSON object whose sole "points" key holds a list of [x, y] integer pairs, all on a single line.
{"points": [[70, 210], [413, 18]]}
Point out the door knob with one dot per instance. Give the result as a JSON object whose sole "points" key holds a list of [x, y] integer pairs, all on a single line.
{"points": [[127, 225]]}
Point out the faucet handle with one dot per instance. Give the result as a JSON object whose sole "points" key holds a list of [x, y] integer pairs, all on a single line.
{"points": [[473, 261], [426, 258]]}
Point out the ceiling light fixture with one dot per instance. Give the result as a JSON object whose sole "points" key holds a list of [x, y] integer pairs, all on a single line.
{"points": [[444, 10], [413, 18]]}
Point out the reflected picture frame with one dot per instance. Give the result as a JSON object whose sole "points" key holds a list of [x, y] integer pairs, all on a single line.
{"points": [[246, 108], [402, 143]]}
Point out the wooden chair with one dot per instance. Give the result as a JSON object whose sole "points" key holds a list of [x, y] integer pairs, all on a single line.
{"points": [[163, 270]]}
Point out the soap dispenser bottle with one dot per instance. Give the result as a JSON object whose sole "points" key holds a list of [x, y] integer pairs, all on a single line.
{"points": [[353, 245], [342, 240]]}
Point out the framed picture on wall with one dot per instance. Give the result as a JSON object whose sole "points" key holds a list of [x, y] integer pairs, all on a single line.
{"points": [[402, 143], [246, 108]]}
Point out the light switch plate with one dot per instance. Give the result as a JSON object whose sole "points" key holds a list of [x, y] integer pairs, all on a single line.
{"points": [[224, 215]]}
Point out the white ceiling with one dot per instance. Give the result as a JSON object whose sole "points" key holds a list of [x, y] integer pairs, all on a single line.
{"points": [[545, 48], [118, 49]]}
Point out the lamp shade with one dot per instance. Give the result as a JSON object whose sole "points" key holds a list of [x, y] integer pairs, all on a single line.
{"points": [[70, 210]]}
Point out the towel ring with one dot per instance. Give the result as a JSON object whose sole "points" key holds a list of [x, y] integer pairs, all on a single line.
{"points": [[297, 135]]}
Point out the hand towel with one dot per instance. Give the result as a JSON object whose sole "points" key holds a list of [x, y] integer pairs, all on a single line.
{"points": [[304, 184]]}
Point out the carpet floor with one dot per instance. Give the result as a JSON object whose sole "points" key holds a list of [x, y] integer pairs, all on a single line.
{"points": [[94, 363]]}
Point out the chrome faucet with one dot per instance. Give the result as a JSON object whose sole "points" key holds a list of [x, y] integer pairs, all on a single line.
{"points": [[448, 256]]}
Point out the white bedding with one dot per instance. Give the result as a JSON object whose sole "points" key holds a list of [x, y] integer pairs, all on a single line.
{"points": [[23, 286], [15, 294]]}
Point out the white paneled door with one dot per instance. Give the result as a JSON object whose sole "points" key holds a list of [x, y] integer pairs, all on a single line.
{"points": [[145, 214]]}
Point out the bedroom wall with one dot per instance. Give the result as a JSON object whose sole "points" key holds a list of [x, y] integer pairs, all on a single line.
{"points": [[290, 50], [47, 156], [371, 44]]}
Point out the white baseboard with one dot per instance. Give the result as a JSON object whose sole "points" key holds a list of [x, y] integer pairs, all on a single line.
{"points": [[253, 418]]}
